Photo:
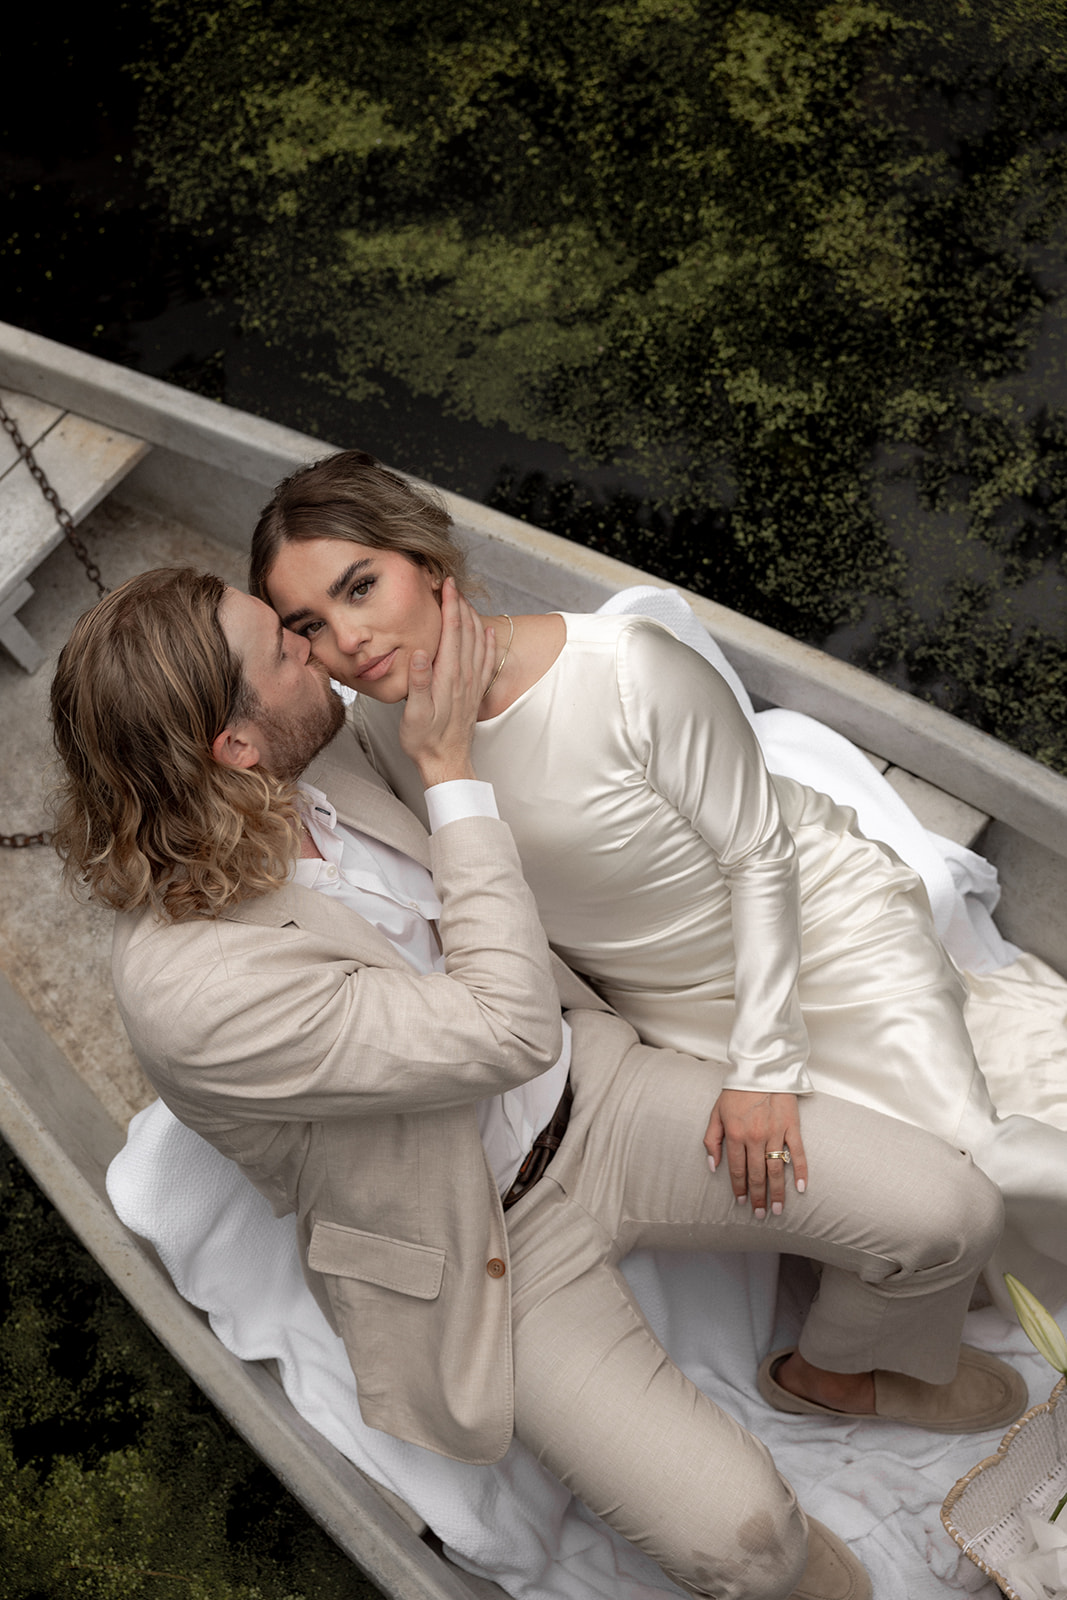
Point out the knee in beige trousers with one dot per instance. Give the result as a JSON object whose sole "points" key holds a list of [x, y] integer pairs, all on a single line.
{"points": [[900, 1220]]}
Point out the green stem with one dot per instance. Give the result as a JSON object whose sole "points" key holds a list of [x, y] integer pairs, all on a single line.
{"points": [[1059, 1507]]}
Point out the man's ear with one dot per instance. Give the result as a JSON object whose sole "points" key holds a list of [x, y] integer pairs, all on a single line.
{"points": [[234, 748]]}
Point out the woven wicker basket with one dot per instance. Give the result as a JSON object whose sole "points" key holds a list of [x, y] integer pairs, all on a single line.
{"points": [[983, 1513]]}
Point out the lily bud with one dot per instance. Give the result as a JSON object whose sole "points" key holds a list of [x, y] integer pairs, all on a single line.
{"points": [[1039, 1326]]}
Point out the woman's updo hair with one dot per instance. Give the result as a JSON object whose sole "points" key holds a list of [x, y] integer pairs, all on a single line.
{"points": [[352, 497]]}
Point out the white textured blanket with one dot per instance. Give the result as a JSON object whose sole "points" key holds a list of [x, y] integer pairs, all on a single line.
{"points": [[878, 1486]]}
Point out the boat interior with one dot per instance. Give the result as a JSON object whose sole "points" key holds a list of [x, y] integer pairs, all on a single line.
{"points": [[72, 1081]]}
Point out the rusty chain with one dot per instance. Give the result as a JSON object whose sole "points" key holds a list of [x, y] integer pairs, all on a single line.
{"points": [[20, 841]]}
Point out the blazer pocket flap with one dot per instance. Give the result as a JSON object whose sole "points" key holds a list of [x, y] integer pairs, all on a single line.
{"points": [[415, 1269]]}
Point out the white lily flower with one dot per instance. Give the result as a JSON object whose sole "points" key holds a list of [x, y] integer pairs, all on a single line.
{"points": [[1039, 1326]]}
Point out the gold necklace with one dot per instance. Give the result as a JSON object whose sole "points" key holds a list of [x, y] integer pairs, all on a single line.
{"points": [[504, 657]]}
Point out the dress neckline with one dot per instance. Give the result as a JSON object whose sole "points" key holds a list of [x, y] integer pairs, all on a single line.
{"points": [[491, 722]]}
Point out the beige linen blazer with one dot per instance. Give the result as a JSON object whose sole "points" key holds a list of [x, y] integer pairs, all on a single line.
{"points": [[293, 1036]]}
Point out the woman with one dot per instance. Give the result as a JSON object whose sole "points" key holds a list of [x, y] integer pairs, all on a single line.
{"points": [[722, 911]]}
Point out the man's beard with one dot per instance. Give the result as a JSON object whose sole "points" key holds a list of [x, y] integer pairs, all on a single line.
{"points": [[295, 741]]}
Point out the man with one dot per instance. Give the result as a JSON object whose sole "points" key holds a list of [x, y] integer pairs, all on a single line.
{"points": [[380, 1047]]}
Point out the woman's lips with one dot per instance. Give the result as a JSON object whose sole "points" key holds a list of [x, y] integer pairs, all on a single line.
{"points": [[378, 667]]}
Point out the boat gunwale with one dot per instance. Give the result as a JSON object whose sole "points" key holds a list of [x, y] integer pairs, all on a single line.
{"points": [[1028, 797], [43, 1105], [906, 731]]}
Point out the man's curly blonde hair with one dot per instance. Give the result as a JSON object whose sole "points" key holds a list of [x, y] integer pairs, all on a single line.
{"points": [[145, 815]]}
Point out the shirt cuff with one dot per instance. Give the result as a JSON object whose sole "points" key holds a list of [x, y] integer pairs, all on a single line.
{"points": [[462, 797]]}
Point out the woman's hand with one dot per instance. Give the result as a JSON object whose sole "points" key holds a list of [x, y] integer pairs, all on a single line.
{"points": [[751, 1123], [437, 727]]}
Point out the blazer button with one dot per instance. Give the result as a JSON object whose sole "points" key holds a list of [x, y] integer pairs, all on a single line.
{"points": [[495, 1268]]}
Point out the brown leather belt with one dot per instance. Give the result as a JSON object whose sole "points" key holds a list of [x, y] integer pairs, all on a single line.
{"points": [[543, 1149]]}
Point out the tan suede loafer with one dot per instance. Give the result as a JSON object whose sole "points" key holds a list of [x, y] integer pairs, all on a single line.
{"points": [[985, 1393], [832, 1571]]}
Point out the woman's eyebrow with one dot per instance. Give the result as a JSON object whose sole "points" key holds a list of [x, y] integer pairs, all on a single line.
{"points": [[346, 577], [336, 587]]}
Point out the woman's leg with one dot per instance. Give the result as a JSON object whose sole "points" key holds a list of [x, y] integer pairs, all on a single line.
{"points": [[901, 1221]]}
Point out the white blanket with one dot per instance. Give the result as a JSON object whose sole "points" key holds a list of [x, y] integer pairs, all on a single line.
{"points": [[878, 1486]]}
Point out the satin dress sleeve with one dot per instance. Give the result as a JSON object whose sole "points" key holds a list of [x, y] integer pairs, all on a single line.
{"points": [[653, 839], [700, 755]]}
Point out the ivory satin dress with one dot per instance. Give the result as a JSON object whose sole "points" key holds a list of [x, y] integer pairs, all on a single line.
{"points": [[732, 914]]}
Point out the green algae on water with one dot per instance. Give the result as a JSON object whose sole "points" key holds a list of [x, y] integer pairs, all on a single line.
{"points": [[118, 1479], [789, 266]]}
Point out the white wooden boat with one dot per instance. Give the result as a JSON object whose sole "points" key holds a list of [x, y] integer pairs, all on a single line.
{"points": [[197, 471]]}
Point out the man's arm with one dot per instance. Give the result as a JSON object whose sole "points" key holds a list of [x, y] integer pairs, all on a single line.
{"points": [[270, 1022], [292, 1022]]}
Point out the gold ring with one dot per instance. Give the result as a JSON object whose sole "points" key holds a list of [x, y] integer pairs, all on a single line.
{"points": [[779, 1155]]}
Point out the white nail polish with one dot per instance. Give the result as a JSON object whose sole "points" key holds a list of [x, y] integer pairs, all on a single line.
{"points": [[739, 1199], [777, 1208], [759, 1213], [711, 1163], [801, 1186]]}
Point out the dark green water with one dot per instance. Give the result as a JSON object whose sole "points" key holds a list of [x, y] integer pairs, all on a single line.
{"points": [[118, 1480], [767, 300]]}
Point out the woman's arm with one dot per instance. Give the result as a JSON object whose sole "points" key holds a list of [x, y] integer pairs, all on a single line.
{"points": [[700, 754], [750, 1124]]}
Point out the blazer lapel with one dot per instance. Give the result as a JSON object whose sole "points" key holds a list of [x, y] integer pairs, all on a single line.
{"points": [[327, 918], [362, 799]]}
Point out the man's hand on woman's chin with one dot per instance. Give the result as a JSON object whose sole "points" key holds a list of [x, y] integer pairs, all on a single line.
{"points": [[437, 728]]}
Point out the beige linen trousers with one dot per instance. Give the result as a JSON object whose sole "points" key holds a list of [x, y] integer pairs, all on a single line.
{"points": [[298, 1041], [901, 1221]]}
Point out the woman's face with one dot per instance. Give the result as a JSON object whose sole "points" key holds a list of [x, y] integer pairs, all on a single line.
{"points": [[364, 611]]}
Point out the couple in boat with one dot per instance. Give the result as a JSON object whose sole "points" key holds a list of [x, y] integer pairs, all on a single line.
{"points": [[369, 1021]]}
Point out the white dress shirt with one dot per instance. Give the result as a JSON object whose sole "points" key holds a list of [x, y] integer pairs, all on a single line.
{"points": [[396, 895]]}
